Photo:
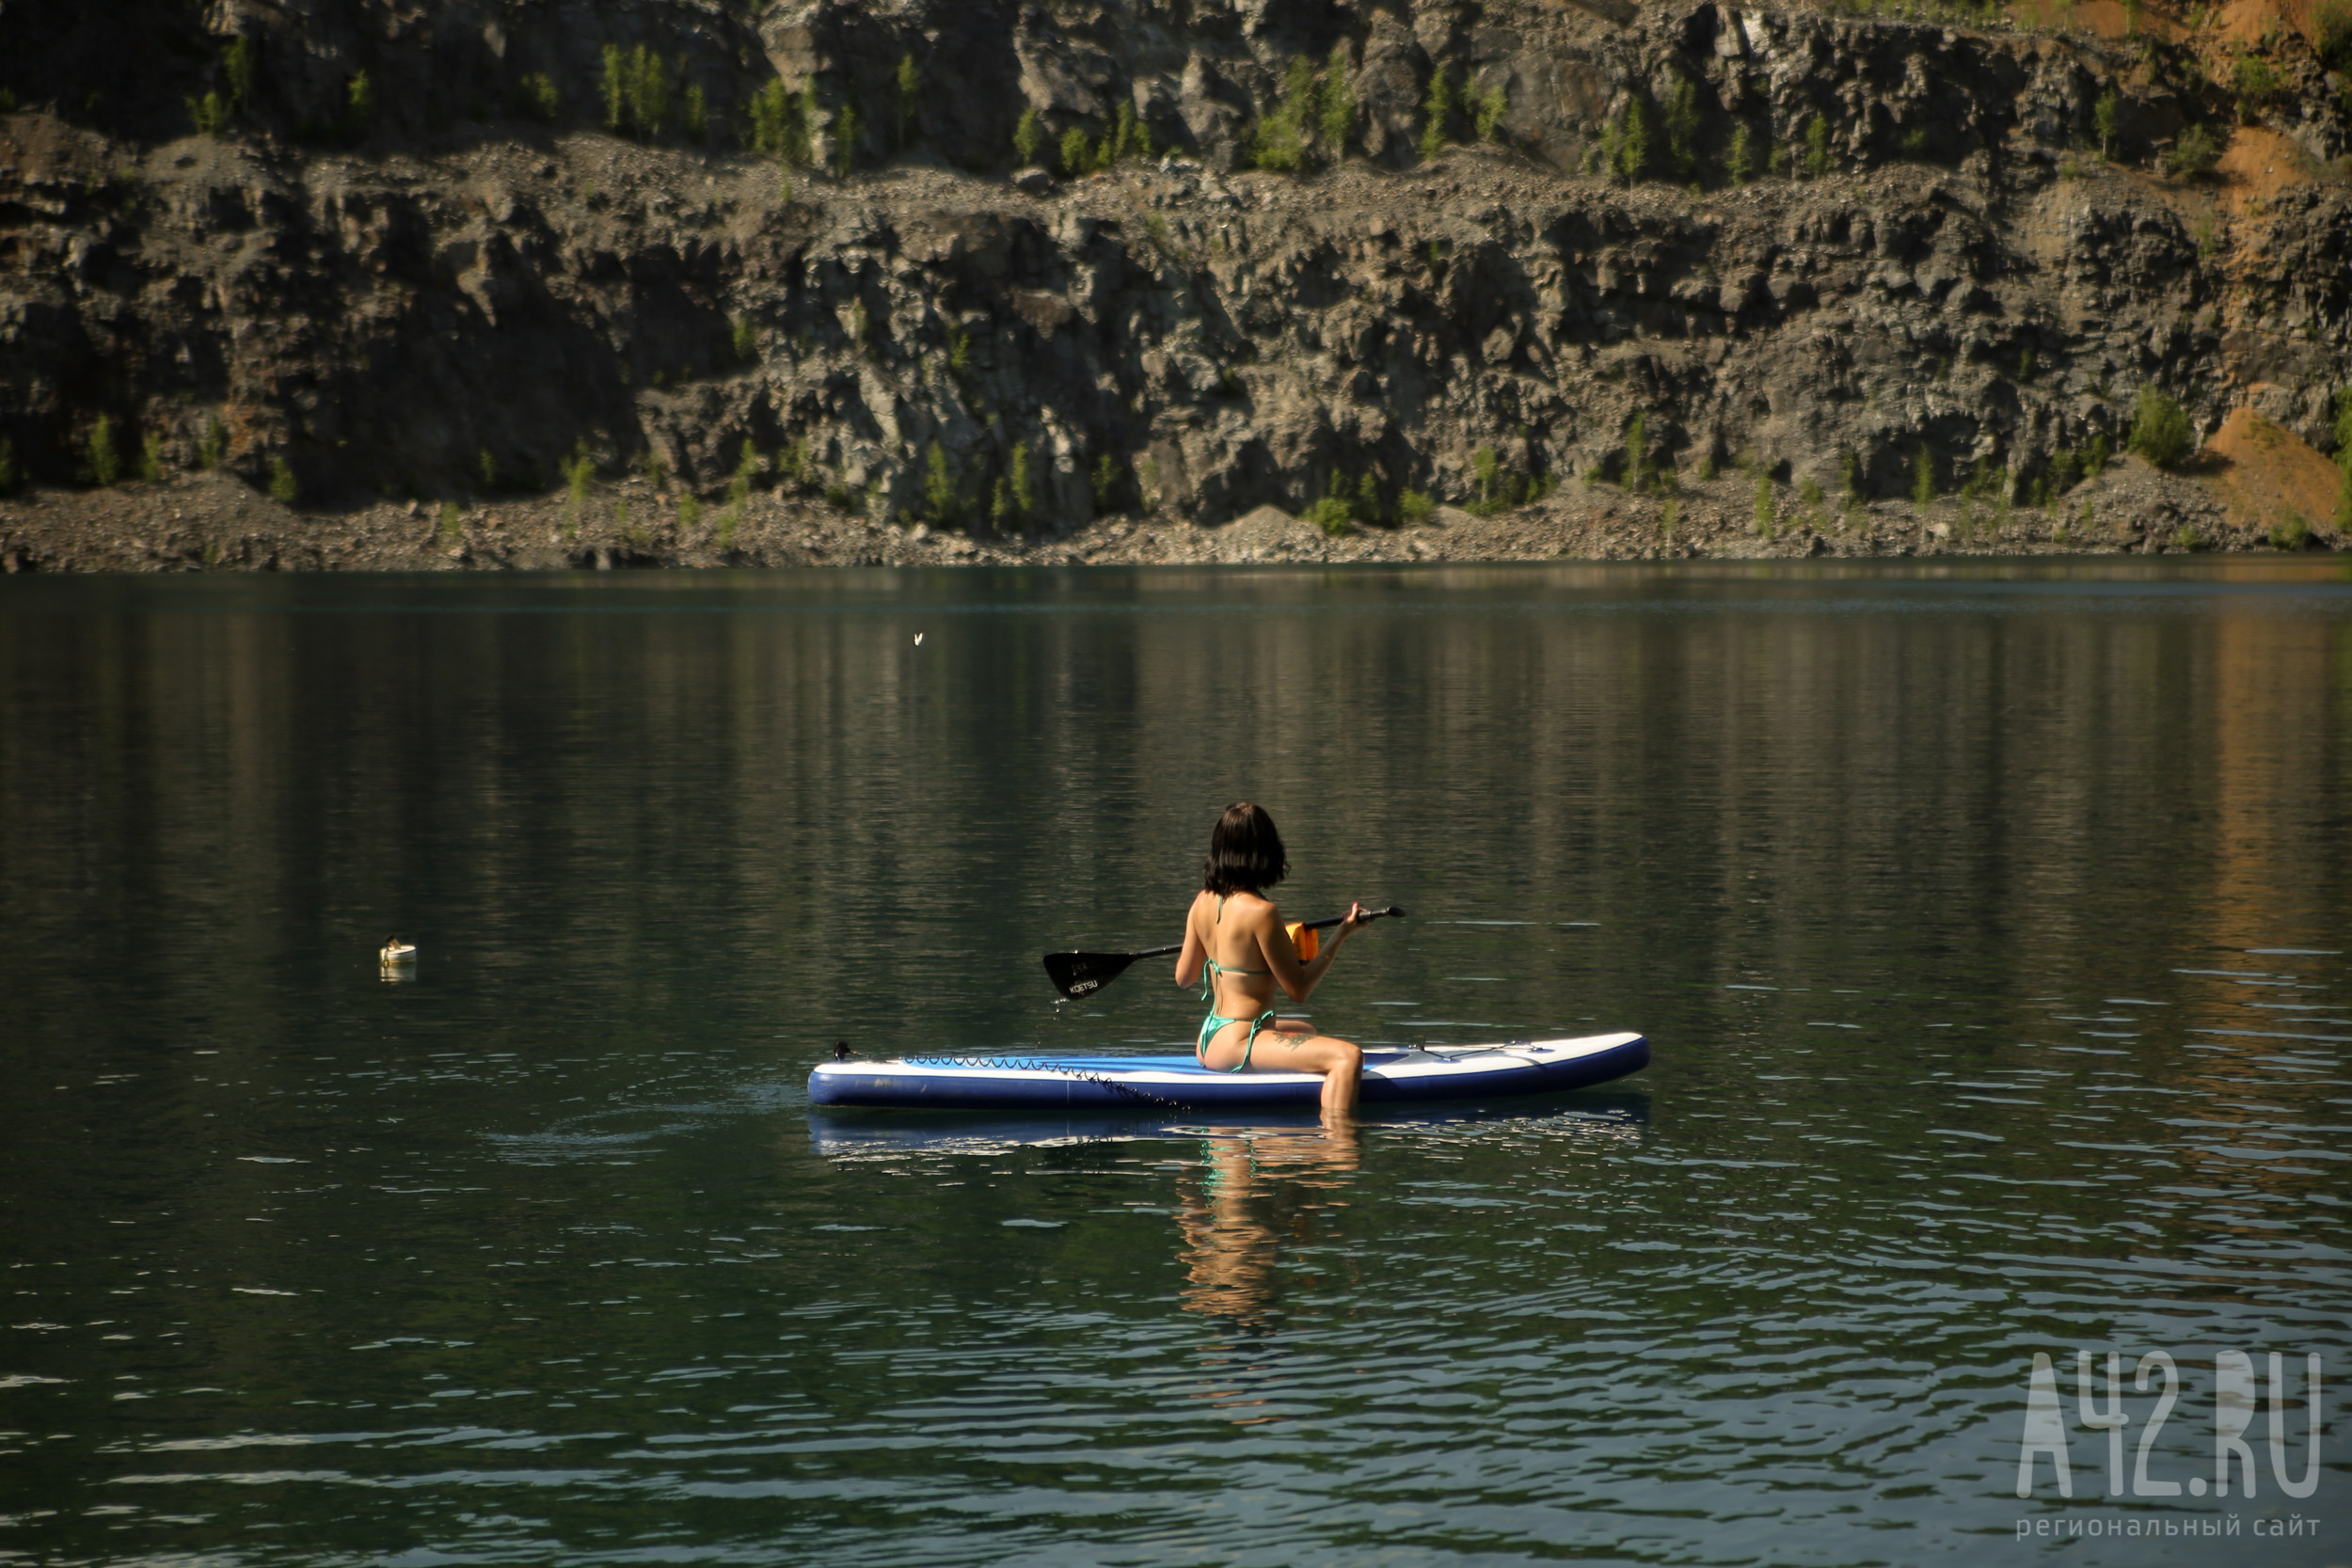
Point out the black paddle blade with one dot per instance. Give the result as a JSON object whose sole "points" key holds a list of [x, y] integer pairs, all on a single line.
{"points": [[1076, 975]]}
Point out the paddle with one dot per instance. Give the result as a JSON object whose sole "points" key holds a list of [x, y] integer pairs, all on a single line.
{"points": [[1076, 975]]}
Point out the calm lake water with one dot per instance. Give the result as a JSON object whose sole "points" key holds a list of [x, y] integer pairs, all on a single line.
{"points": [[1990, 927]]}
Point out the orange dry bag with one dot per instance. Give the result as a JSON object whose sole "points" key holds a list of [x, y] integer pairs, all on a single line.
{"points": [[1308, 940]]}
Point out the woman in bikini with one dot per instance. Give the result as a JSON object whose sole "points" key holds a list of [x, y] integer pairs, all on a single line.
{"points": [[1237, 950]]}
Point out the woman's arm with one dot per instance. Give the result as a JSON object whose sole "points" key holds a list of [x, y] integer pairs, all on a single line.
{"points": [[1298, 980], [1188, 960]]}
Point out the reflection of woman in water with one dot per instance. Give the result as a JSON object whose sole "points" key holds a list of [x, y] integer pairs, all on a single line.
{"points": [[1237, 950], [1229, 1249]]}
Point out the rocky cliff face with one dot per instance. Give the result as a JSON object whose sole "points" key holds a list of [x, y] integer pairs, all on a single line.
{"points": [[1493, 246]]}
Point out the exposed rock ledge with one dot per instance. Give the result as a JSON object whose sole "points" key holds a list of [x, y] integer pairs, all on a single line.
{"points": [[212, 520]]}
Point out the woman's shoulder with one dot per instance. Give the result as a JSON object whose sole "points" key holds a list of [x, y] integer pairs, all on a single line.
{"points": [[1226, 908]]}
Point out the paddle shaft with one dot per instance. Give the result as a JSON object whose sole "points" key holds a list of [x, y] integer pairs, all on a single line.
{"points": [[1303, 925], [1076, 975]]}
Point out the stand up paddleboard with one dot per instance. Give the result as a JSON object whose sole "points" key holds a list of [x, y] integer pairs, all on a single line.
{"points": [[965, 1082]]}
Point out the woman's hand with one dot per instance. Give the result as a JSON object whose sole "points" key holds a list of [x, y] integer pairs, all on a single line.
{"points": [[1354, 922]]}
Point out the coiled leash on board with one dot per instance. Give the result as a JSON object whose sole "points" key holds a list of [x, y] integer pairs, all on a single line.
{"points": [[1031, 1064]]}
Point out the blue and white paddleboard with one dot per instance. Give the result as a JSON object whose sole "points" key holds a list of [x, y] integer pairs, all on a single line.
{"points": [[966, 1081]]}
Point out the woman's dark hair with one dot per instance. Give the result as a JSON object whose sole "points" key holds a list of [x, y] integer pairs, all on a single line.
{"points": [[1246, 852]]}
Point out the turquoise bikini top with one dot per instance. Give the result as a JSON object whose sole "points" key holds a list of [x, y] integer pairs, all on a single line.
{"points": [[1211, 969]]}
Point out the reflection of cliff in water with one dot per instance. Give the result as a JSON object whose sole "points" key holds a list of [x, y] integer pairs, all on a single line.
{"points": [[1807, 772]]}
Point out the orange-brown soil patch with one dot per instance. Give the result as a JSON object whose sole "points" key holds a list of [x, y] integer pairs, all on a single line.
{"points": [[2265, 162], [2265, 473], [2245, 23], [2258, 164]]}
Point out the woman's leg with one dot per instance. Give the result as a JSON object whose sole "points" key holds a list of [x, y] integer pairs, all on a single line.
{"points": [[1293, 1047]]}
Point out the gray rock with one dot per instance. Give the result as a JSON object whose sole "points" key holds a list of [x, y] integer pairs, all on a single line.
{"points": [[1186, 335]]}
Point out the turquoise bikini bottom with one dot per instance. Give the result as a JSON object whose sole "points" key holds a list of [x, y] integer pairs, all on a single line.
{"points": [[1215, 1022]]}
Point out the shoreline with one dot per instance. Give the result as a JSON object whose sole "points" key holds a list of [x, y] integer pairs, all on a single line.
{"points": [[215, 522]]}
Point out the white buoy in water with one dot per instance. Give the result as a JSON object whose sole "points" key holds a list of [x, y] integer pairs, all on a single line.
{"points": [[918, 639]]}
